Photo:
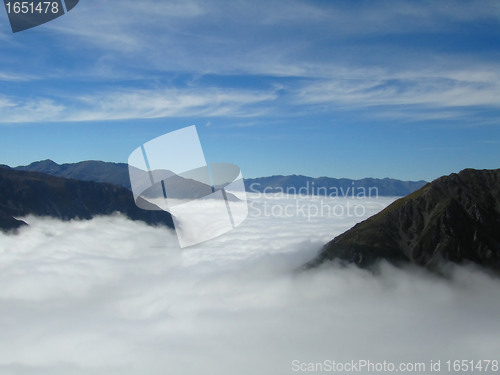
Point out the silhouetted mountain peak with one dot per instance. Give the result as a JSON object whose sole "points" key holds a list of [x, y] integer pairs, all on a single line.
{"points": [[90, 170], [46, 164]]}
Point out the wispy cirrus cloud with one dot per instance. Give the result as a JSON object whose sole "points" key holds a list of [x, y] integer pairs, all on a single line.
{"points": [[430, 92], [342, 56], [172, 103], [135, 104], [20, 110], [435, 93], [404, 95], [266, 38], [15, 77]]}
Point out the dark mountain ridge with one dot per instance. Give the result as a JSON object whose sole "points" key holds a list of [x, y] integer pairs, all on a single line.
{"points": [[455, 218], [23, 193]]}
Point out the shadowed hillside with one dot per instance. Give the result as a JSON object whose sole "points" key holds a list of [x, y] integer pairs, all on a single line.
{"points": [[23, 193], [454, 218]]}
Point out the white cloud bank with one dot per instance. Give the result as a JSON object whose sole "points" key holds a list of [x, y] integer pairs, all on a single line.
{"points": [[111, 296]]}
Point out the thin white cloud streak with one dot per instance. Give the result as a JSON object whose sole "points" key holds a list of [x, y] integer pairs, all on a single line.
{"points": [[443, 89], [134, 104], [171, 103], [14, 77], [13, 110], [111, 296]]}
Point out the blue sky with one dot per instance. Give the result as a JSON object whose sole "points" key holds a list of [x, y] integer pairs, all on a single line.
{"points": [[409, 90]]}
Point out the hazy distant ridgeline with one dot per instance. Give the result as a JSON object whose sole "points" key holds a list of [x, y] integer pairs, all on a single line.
{"points": [[332, 187], [91, 170], [117, 174]]}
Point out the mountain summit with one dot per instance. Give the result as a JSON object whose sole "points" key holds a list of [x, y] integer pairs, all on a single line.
{"points": [[455, 218], [89, 170]]}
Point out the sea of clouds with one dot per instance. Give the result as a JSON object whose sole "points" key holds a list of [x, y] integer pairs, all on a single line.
{"points": [[111, 296]]}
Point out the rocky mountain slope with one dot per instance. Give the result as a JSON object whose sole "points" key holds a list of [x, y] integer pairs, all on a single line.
{"points": [[454, 218], [23, 193]]}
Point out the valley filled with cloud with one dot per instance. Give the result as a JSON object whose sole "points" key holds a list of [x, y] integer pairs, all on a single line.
{"points": [[113, 296]]}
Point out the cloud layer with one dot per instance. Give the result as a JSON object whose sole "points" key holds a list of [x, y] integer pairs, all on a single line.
{"points": [[111, 296]]}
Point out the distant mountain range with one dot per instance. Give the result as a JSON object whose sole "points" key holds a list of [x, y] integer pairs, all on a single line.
{"points": [[455, 218], [117, 174], [333, 187], [91, 170], [23, 193]]}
